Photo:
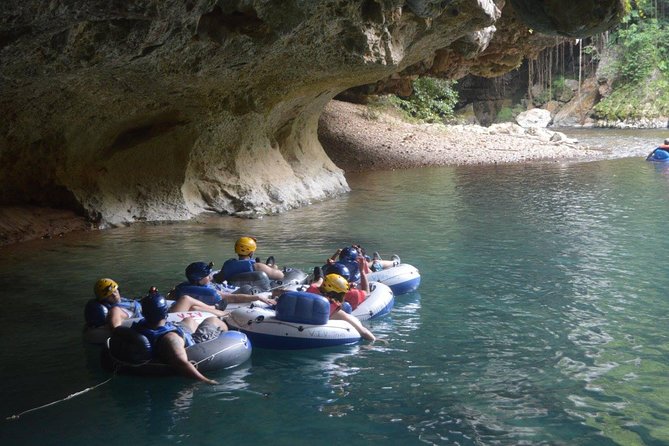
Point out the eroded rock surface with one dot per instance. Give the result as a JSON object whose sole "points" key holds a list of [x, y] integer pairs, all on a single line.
{"points": [[163, 109]]}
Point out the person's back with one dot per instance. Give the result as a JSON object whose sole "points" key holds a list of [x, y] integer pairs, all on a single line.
{"points": [[199, 285], [169, 341], [154, 324], [234, 267], [245, 247]]}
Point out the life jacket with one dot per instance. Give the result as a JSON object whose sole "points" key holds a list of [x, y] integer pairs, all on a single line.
{"points": [[354, 297], [154, 334], [232, 267], [204, 293], [133, 308]]}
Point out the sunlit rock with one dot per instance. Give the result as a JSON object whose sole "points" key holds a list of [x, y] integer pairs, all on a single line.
{"points": [[536, 117], [154, 110]]}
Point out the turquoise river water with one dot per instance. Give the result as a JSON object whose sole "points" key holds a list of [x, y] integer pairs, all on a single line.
{"points": [[541, 319]]}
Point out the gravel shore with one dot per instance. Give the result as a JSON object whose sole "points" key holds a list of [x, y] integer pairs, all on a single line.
{"points": [[358, 138]]}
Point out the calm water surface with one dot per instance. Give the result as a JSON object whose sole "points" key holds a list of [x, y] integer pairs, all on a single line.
{"points": [[541, 319]]}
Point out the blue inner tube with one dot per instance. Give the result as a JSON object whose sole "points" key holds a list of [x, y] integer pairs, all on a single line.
{"points": [[658, 155]]}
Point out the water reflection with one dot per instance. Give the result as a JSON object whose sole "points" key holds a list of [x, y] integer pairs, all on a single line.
{"points": [[540, 318]]}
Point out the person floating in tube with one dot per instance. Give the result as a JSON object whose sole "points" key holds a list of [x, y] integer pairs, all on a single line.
{"points": [[245, 248]]}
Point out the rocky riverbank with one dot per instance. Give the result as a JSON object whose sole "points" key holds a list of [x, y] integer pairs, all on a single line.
{"points": [[22, 223], [358, 138]]}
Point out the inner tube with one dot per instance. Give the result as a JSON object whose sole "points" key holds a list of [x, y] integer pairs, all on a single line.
{"points": [[266, 331], [291, 276], [659, 154], [258, 280], [129, 352], [401, 279], [95, 314], [255, 282], [379, 302]]}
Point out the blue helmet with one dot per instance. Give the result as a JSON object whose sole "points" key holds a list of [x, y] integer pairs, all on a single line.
{"points": [[154, 306], [337, 268], [198, 270], [348, 254]]}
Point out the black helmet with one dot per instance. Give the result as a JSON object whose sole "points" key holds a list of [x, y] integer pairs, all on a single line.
{"points": [[348, 254], [197, 271], [338, 268], [154, 306]]}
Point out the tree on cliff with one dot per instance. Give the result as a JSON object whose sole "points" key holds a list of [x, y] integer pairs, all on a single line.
{"points": [[640, 67]]}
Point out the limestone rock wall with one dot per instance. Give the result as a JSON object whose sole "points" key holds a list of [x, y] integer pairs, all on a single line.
{"points": [[162, 109]]}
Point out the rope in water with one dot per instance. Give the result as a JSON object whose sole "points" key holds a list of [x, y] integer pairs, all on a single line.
{"points": [[69, 397], [88, 389], [212, 356]]}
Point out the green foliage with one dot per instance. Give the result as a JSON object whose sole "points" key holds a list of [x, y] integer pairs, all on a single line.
{"points": [[505, 115], [508, 114], [541, 98], [636, 101], [378, 106], [559, 84], [641, 69], [642, 48], [592, 52], [432, 100]]}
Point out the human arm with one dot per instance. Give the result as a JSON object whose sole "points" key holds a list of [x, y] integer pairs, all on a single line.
{"points": [[172, 350], [355, 322], [333, 258], [364, 269]]}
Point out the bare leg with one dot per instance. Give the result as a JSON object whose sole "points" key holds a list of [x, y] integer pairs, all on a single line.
{"points": [[216, 322], [187, 303]]}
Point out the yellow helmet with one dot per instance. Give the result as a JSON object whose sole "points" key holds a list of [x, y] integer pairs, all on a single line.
{"points": [[334, 283], [105, 288], [245, 246]]}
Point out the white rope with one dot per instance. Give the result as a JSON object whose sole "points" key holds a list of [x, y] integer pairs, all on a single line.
{"points": [[75, 394], [212, 356]]}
